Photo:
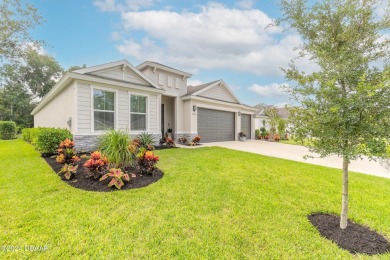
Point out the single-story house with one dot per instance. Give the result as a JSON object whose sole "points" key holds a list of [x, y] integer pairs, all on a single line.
{"points": [[260, 116], [148, 98]]}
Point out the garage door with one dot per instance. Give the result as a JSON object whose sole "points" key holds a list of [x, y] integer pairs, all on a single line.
{"points": [[215, 125], [246, 125]]}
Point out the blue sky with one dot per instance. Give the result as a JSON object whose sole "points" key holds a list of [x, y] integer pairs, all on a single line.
{"points": [[212, 40]]}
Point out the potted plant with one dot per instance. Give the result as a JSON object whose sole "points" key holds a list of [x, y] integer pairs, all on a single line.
{"points": [[169, 133], [242, 136]]}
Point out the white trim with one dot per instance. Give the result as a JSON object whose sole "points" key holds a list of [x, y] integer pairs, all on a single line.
{"points": [[159, 113], [146, 114], [69, 77], [217, 83], [161, 79], [212, 101], [116, 112], [76, 109], [114, 64], [177, 83], [162, 67]]}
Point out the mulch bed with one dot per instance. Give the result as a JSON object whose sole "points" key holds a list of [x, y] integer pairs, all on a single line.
{"points": [[355, 238], [82, 181]]}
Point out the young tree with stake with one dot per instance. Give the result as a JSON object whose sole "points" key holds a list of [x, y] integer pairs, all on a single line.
{"points": [[345, 107]]}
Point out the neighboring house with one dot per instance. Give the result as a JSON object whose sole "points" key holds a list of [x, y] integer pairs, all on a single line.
{"points": [[148, 98], [261, 115]]}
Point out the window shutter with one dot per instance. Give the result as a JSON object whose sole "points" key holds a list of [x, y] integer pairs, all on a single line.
{"points": [[161, 79]]}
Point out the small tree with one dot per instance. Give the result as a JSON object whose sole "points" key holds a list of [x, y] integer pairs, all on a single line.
{"points": [[281, 127], [273, 119], [345, 104]]}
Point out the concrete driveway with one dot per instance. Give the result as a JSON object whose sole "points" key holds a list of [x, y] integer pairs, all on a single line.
{"points": [[296, 153]]}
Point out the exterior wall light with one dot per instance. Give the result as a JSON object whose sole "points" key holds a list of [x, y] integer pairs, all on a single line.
{"points": [[239, 113], [194, 108]]}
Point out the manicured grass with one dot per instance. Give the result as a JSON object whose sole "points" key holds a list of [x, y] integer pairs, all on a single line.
{"points": [[212, 203]]}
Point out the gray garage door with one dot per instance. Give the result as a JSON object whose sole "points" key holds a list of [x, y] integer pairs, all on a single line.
{"points": [[246, 125], [215, 125]]}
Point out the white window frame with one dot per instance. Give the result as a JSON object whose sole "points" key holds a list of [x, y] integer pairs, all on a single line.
{"points": [[177, 83], [115, 91], [136, 113], [170, 81], [161, 79]]}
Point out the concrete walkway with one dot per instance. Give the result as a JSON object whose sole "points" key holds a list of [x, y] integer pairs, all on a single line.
{"points": [[296, 153]]}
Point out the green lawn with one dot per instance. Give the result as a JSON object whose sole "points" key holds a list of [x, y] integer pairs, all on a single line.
{"points": [[212, 203]]}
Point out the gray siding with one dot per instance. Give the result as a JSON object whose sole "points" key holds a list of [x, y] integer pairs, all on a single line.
{"points": [[123, 107], [218, 93], [153, 127], [83, 108], [117, 73]]}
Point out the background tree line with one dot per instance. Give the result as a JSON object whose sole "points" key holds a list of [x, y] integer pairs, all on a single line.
{"points": [[27, 73]]}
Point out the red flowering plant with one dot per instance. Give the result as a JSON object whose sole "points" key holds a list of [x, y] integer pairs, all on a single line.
{"points": [[196, 139], [118, 178], [66, 155], [169, 142], [146, 161], [96, 165]]}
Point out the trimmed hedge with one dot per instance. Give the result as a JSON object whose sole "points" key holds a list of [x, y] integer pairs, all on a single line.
{"points": [[7, 130], [46, 139]]}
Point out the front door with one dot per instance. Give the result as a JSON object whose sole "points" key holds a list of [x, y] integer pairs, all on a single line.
{"points": [[162, 120]]}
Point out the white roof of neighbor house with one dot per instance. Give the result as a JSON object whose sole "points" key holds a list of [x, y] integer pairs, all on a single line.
{"points": [[153, 64]]}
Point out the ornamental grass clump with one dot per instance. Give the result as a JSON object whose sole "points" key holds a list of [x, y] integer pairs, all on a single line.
{"points": [[115, 146]]}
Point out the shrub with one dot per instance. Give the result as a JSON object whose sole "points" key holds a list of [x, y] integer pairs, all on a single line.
{"points": [[67, 153], [47, 139], [96, 165], [117, 178], [7, 130], [115, 146], [182, 140], [170, 143], [196, 139], [34, 135], [146, 140], [26, 134], [257, 133], [68, 170], [146, 161], [241, 134], [277, 137], [263, 131]]}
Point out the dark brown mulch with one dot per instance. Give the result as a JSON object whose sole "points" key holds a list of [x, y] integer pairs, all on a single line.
{"points": [[355, 238], [82, 181]]}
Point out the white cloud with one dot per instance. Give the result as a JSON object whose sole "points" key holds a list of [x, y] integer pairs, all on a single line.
{"points": [[245, 4], [194, 82], [116, 36], [273, 90], [122, 6], [216, 37]]}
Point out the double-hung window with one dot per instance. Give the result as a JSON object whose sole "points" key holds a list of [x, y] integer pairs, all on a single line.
{"points": [[103, 110], [138, 113]]}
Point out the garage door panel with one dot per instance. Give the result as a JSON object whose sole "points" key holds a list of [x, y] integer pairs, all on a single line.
{"points": [[216, 125], [246, 124]]}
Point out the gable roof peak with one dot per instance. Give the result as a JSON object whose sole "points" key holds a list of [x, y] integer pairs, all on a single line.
{"points": [[160, 66]]}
